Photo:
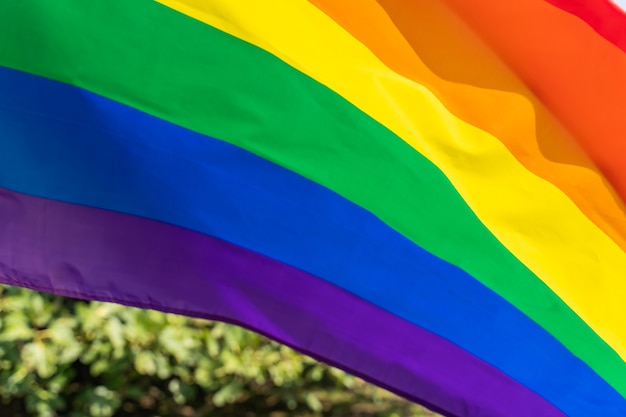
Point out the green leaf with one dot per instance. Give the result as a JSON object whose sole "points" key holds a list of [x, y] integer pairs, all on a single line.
{"points": [[36, 358], [103, 402], [228, 394], [16, 327], [145, 363], [313, 402]]}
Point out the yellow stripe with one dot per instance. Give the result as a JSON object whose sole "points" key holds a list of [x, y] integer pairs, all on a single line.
{"points": [[534, 219]]}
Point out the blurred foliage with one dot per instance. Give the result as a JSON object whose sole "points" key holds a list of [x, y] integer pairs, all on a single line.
{"points": [[66, 357]]}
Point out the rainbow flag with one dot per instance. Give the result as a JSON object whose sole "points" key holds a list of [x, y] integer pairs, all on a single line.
{"points": [[426, 193]]}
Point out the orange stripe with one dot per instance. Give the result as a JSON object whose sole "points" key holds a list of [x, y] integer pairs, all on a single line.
{"points": [[477, 88], [577, 74]]}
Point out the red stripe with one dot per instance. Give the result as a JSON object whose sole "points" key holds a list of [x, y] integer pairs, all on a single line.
{"points": [[603, 16]]}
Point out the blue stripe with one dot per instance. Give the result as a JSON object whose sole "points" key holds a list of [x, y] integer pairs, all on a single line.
{"points": [[64, 143]]}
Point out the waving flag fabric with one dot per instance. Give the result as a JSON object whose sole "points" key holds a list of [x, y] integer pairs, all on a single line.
{"points": [[428, 194]]}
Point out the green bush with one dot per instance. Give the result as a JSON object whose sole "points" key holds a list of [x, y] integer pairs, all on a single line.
{"points": [[60, 356]]}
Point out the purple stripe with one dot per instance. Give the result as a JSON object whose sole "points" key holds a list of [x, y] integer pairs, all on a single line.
{"points": [[101, 255]]}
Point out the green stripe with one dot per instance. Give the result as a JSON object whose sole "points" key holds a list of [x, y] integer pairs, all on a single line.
{"points": [[149, 57]]}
